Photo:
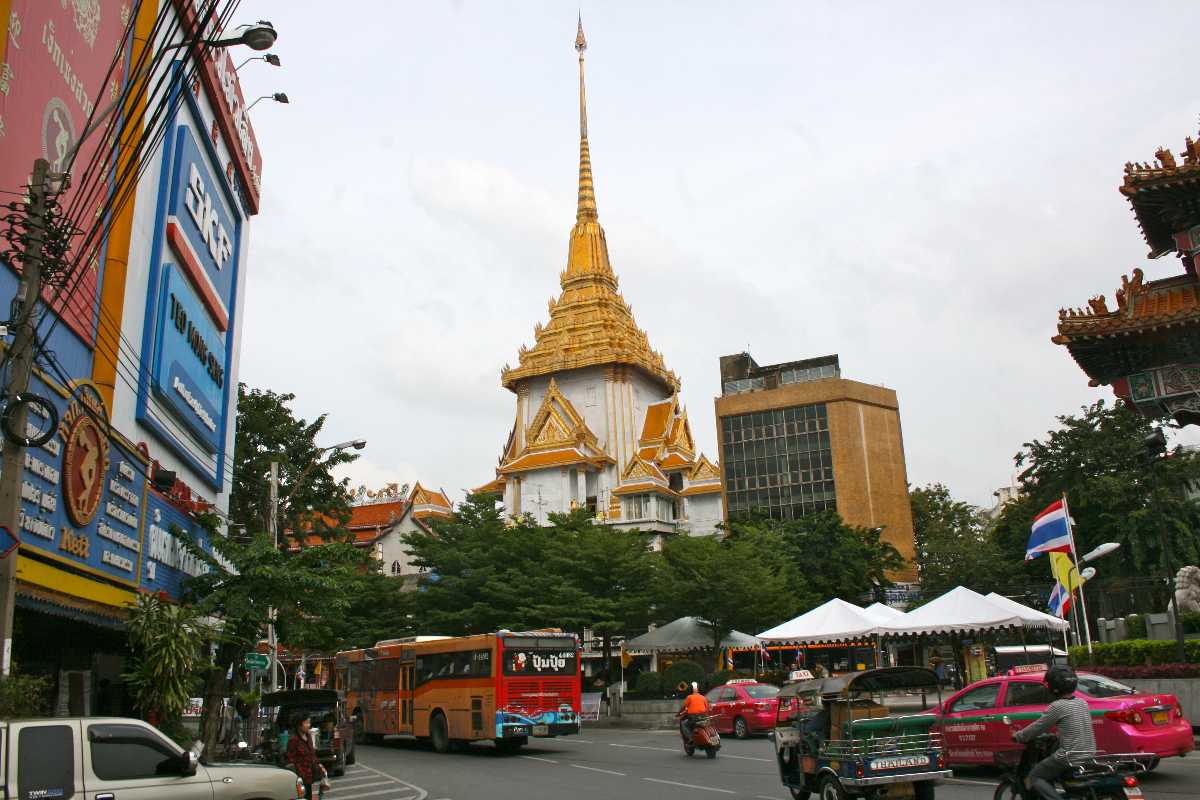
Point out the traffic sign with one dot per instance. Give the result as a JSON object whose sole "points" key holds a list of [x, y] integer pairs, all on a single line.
{"points": [[8, 542], [256, 661]]}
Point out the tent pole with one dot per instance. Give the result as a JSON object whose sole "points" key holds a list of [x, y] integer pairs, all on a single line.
{"points": [[1023, 645]]}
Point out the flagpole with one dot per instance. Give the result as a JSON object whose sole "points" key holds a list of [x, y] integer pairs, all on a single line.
{"points": [[1087, 629]]}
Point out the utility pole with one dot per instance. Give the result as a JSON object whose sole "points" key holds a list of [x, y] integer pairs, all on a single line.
{"points": [[29, 294], [273, 522]]}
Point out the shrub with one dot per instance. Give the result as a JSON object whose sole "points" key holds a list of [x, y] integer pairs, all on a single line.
{"points": [[648, 683], [681, 673], [1155, 671], [1133, 653], [718, 678], [1135, 626], [1191, 621], [24, 696]]}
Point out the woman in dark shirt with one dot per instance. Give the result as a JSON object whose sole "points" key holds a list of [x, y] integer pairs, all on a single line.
{"points": [[303, 756]]}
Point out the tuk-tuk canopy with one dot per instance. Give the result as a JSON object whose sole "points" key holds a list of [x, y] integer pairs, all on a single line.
{"points": [[299, 697], [884, 679], [683, 635]]}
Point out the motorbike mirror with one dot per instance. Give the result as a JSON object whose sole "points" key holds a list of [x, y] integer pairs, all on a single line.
{"points": [[1006, 719]]}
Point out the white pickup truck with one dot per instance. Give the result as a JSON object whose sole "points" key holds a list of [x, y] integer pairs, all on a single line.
{"points": [[95, 758]]}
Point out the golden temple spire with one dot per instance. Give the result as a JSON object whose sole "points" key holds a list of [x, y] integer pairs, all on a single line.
{"points": [[586, 211]]}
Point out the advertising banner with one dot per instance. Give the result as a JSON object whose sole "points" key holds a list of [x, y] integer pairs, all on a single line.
{"points": [[82, 493], [56, 57], [191, 297], [167, 561]]}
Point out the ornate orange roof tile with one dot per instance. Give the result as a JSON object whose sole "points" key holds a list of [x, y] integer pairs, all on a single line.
{"points": [[643, 487], [1140, 305], [675, 461], [549, 458], [704, 488], [1164, 195], [495, 486], [658, 421]]}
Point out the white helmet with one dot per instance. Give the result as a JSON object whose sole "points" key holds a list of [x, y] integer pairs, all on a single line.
{"points": [[695, 686]]}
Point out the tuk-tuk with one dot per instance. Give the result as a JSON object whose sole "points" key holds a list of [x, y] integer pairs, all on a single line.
{"points": [[332, 728], [836, 739]]}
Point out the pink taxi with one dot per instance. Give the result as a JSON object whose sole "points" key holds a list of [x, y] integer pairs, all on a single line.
{"points": [[978, 721], [744, 706]]}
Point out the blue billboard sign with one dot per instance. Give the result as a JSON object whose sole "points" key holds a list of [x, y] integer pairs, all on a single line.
{"points": [[167, 561]]}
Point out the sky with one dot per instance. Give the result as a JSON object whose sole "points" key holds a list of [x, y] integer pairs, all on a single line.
{"points": [[915, 187]]}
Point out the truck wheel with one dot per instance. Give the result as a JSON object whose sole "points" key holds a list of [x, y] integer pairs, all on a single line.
{"points": [[439, 734], [740, 729], [831, 789]]}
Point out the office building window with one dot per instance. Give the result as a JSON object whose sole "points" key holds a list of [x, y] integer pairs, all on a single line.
{"points": [[798, 375], [743, 385], [778, 462]]}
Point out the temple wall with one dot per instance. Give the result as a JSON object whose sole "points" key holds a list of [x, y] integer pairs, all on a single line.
{"points": [[704, 511]]}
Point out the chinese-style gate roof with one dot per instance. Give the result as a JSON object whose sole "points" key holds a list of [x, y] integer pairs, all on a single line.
{"points": [[1165, 196], [590, 322]]}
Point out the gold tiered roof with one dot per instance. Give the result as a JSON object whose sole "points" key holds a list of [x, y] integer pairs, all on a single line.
{"points": [[590, 323]]}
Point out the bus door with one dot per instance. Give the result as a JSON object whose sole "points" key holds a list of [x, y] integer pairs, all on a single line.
{"points": [[407, 678]]}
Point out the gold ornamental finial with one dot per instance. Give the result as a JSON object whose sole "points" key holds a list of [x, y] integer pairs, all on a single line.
{"points": [[586, 211]]}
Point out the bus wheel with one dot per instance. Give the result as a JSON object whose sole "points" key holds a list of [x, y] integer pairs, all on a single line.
{"points": [[439, 734]]}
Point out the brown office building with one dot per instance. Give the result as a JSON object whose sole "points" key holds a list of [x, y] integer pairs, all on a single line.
{"points": [[797, 438]]}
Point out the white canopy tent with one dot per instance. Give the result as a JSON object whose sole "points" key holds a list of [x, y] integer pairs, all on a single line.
{"points": [[1033, 618], [959, 610], [882, 613], [835, 620]]}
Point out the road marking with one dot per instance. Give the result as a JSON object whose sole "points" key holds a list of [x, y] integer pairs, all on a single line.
{"points": [[597, 769], [339, 784], [691, 786], [581, 741], [748, 758], [643, 747], [421, 793], [368, 794], [974, 783], [535, 758]]}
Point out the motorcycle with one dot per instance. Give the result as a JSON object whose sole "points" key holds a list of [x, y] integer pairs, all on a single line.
{"points": [[1092, 777], [704, 735]]}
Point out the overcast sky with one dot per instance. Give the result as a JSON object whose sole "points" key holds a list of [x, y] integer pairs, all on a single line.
{"points": [[915, 187]]}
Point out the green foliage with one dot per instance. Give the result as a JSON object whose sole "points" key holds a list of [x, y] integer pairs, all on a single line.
{"points": [[165, 641], [484, 574], [1191, 621], [648, 683], [719, 677], [1135, 626], [682, 673], [742, 582], [1097, 459], [953, 544], [1134, 653], [24, 696], [267, 431]]}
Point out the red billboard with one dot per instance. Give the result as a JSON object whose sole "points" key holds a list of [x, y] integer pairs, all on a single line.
{"points": [[56, 56]]}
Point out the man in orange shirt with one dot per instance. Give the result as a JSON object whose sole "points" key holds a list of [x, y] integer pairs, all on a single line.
{"points": [[694, 705]]}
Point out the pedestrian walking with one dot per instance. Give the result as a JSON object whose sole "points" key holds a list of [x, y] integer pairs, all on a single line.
{"points": [[302, 755]]}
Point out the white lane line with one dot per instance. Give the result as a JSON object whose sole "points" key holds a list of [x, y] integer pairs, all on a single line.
{"points": [[597, 769], [748, 758], [581, 741], [535, 758], [973, 783], [691, 786], [356, 779], [421, 793], [340, 785], [644, 747], [765, 797], [368, 794]]}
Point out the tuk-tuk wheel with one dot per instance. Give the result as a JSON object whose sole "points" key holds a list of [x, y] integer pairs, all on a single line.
{"points": [[923, 790], [799, 794], [831, 789]]}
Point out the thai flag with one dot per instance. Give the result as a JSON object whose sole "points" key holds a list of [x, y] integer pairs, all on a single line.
{"points": [[1049, 533], [1060, 601]]}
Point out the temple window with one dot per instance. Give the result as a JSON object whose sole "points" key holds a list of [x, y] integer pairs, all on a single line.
{"points": [[396, 568], [637, 506]]}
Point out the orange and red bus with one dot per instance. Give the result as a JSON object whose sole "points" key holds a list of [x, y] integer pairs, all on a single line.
{"points": [[505, 687]]}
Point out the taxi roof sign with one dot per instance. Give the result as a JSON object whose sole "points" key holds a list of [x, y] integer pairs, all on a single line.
{"points": [[1023, 669], [800, 675], [738, 681]]}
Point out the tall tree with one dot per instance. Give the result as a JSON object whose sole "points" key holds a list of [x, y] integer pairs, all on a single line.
{"points": [[953, 541], [738, 582], [1097, 458], [268, 430]]}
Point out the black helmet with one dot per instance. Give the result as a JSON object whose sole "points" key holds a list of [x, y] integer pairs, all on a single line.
{"points": [[1061, 680]]}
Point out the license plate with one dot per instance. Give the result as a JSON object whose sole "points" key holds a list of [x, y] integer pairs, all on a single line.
{"points": [[1133, 791], [518, 730], [541, 730], [1160, 717], [899, 762]]}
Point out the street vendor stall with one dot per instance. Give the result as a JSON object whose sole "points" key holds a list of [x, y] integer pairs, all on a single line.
{"points": [[836, 636]]}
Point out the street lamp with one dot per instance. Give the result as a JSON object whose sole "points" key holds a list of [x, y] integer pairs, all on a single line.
{"points": [[1101, 550], [273, 521], [278, 97], [270, 58]]}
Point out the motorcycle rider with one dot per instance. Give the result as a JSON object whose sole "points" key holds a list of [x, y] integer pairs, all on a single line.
{"points": [[694, 705], [1074, 723]]}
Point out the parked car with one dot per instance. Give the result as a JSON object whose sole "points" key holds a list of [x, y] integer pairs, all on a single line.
{"points": [[1124, 719], [744, 706], [327, 710], [124, 758]]}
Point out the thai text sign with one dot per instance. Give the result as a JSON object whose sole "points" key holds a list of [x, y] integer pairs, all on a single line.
{"points": [[56, 58]]}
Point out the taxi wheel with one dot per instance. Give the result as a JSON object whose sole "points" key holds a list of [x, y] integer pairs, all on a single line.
{"points": [[740, 729], [831, 789]]}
